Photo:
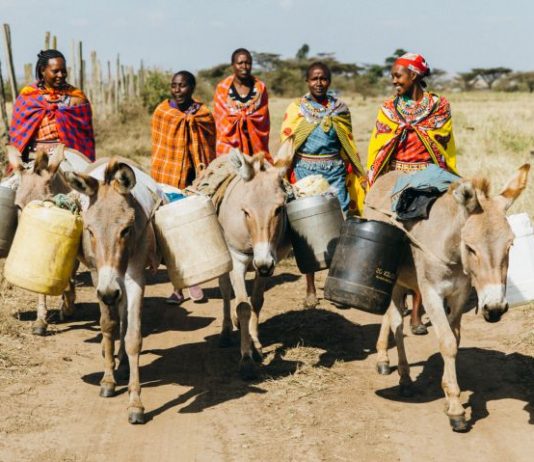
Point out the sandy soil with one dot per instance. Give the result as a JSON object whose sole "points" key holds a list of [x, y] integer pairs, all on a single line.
{"points": [[318, 398]]}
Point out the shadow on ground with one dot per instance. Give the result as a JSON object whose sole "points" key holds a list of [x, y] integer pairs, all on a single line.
{"points": [[487, 375]]}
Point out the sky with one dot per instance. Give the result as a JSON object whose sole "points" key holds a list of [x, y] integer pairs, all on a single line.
{"points": [[454, 35]]}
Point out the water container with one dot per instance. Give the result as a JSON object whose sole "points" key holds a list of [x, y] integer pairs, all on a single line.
{"points": [[44, 249], [364, 268], [315, 224], [520, 280], [192, 241], [8, 219]]}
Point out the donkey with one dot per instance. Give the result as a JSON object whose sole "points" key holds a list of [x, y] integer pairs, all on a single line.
{"points": [[39, 182], [464, 243], [252, 215], [118, 241]]}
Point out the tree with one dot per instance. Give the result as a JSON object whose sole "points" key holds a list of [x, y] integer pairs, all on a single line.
{"points": [[527, 79], [266, 62], [302, 52], [491, 74], [390, 60], [466, 80]]}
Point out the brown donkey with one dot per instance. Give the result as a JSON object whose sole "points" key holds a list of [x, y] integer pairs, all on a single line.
{"points": [[252, 214], [464, 243], [41, 181], [118, 241]]}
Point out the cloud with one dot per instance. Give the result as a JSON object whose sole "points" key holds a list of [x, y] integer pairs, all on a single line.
{"points": [[286, 4]]}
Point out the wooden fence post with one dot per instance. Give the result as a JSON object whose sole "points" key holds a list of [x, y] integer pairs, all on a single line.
{"points": [[80, 66], [54, 42], [28, 73], [9, 60], [47, 41], [3, 110], [73, 64]]}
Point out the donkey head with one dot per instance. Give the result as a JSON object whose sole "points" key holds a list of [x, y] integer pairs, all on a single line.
{"points": [[40, 181], [109, 226], [262, 207], [486, 238]]}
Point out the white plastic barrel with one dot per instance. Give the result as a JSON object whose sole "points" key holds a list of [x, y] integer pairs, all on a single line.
{"points": [[192, 241], [520, 280]]}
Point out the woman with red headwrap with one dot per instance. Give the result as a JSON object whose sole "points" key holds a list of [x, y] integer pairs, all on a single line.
{"points": [[413, 130]]}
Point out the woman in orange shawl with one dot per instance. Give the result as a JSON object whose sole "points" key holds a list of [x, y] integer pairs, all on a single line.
{"points": [[183, 144], [183, 135], [412, 130], [50, 111], [241, 109]]}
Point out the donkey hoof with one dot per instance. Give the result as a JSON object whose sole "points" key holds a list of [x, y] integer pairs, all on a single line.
{"points": [[136, 417], [459, 424], [248, 369], [406, 390], [107, 390], [311, 301], [257, 355], [383, 368], [225, 341], [39, 330]]}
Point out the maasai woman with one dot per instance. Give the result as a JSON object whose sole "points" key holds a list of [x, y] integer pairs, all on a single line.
{"points": [[241, 109], [413, 129], [183, 144], [50, 111], [317, 135]]}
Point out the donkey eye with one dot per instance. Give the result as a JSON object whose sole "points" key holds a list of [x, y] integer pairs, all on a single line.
{"points": [[471, 250], [246, 213], [126, 231]]}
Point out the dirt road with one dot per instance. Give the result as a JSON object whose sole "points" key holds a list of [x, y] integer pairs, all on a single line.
{"points": [[318, 399]]}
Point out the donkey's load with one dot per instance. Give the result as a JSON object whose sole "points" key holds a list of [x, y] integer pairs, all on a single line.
{"points": [[192, 241], [520, 280], [364, 268], [315, 226], [44, 249], [8, 219]]}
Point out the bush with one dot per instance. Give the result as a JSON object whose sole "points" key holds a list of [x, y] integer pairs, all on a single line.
{"points": [[156, 88]]}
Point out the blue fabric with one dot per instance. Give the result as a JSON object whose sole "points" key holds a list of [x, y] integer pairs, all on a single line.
{"points": [[171, 197], [319, 142], [431, 177], [334, 172]]}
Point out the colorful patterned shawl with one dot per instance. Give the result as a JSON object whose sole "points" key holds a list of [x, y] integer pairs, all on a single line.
{"points": [[300, 121], [434, 131], [181, 143], [74, 123], [238, 123]]}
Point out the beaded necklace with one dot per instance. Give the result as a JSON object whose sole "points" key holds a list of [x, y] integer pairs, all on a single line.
{"points": [[412, 110]]}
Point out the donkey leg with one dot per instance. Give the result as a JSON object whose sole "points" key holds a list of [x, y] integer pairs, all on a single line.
{"points": [[257, 303], [123, 369], [448, 348], [382, 358], [66, 309], [403, 368], [311, 292], [108, 324], [134, 291], [247, 366], [225, 286], [40, 324]]}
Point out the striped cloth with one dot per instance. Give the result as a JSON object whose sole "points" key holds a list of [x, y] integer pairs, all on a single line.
{"points": [[244, 126], [73, 123], [182, 144]]}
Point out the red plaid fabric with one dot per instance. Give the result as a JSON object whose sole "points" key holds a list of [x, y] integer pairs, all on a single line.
{"points": [[74, 123]]}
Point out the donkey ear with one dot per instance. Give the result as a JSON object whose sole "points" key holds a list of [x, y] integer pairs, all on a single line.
{"points": [[514, 187], [241, 164], [124, 178], [82, 183], [465, 194], [15, 158], [41, 162], [55, 162]]}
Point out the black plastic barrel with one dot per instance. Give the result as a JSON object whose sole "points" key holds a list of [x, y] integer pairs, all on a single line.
{"points": [[364, 267]]}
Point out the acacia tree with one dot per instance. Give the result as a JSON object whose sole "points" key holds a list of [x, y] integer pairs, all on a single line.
{"points": [[491, 74]]}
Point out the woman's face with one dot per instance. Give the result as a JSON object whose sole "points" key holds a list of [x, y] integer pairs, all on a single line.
{"points": [[55, 73], [403, 79], [242, 66], [318, 82], [181, 89]]}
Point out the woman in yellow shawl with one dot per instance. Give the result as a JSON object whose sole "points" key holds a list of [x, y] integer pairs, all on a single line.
{"points": [[413, 129], [317, 138]]}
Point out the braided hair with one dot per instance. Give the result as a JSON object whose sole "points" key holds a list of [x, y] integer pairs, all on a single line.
{"points": [[42, 61]]}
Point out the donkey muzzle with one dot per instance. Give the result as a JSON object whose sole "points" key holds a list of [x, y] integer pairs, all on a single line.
{"points": [[263, 260], [492, 302], [108, 289]]}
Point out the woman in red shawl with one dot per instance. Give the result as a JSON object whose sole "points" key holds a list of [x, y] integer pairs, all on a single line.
{"points": [[241, 109], [50, 111]]}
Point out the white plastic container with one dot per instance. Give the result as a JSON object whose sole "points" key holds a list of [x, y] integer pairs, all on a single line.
{"points": [[520, 280], [192, 241]]}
